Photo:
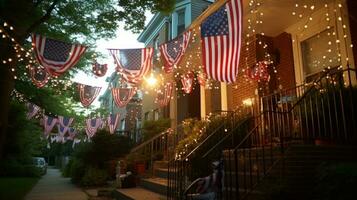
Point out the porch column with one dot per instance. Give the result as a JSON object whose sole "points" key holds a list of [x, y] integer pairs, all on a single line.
{"points": [[224, 96], [203, 101], [173, 109]]}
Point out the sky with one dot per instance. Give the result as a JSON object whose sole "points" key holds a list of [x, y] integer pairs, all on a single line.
{"points": [[124, 40]]}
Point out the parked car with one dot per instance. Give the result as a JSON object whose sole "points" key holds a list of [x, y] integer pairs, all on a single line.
{"points": [[40, 163]]}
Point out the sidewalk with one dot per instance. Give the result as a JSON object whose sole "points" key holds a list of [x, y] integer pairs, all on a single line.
{"points": [[53, 186]]}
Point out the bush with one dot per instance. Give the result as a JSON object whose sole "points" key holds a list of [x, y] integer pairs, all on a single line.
{"points": [[77, 169], [153, 127], [12, 168], [94, 177]]}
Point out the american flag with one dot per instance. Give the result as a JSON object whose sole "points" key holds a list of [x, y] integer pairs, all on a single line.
{"points": [[133, 64], [39, 76], [113, 122], [187, 82], [65, 121], [56, 56], [122, 96], [99, 69], [172, 51], [62, 130], [221, 41], [92, 126], [88, 94], [49, 123], [164, 95], [32, 110]]}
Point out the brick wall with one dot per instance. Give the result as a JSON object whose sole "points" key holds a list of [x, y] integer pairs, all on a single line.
{"points": [[280, 48]]}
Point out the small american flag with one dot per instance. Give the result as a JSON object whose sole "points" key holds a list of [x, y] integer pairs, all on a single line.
{"points": [[133, 64], [65, 121], [92, 126], [221, 36], [122, 96], [172, 51], [113, 122], [187, 82], [99, 69], [56, 56], [88, 94], [32, 110], [39, 76]]}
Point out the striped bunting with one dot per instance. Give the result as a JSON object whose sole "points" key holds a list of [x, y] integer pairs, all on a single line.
{"points": [[92, 126], [187, 82], [32, 110], [122, 96], [39, 76], [88, 94], [113, 122], [56, 56], [49, 123], [133, 64], [164, 95], [172, 51]]}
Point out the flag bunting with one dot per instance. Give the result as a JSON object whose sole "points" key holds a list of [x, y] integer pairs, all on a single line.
{"points": [[113, 122], [39, 76], [88, 94], [56, 56], [32, 110], [92, 126], [172, 51], [187, 82], [133, 64], [49, 123], [164, 95], [122, 96], [99, 69]]}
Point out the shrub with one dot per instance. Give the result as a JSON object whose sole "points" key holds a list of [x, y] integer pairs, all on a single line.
{"points": [[77, 169], [153, 127], [13, 168], [94, 177]]}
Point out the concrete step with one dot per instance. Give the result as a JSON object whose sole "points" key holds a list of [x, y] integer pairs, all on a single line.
{"points": [[137, 193], [157, 185]]}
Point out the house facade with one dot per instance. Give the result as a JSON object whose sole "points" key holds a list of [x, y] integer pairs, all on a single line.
{"points": [[310, 37]]}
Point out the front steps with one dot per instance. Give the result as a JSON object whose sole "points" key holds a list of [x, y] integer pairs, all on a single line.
{"points": [[153, 188]]}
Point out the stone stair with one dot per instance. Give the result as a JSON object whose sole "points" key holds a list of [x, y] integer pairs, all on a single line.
{"points": [[150, 188], [293, 176]]}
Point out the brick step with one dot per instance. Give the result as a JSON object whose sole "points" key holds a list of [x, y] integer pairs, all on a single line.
{"points": [[157, 185], [136, 193]]}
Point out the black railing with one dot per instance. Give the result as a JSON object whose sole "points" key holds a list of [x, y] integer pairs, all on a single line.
{"points": [[322, 111]]}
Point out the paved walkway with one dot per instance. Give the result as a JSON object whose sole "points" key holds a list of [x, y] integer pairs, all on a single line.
{"points": [[53, 186]]}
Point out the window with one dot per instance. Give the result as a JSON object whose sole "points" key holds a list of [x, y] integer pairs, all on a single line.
{"points": [[146, 117], [319, 52], [156, 47], [180, 21]]}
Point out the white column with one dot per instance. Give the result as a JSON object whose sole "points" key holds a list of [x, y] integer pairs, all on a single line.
{"points": [[224, 96]]}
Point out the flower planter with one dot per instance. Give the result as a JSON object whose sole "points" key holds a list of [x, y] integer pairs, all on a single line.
{"points": [[140, 168]]}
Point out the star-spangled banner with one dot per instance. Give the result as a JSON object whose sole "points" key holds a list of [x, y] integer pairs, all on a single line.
{"points": [[49, 123], [187, 82], [113, 122], [164, 95], [88, 94], [133, 64], [72, 132], [122, 96], [65, 121], [32, 110], [92, 126], [56, 56], [221, 38], [39, 76], [99, 69], [172, 51]]}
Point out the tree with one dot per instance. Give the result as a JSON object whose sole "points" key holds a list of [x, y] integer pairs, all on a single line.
{"points": [[69, 20]]}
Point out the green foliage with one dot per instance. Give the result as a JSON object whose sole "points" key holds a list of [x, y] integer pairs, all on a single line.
{"points": [[16, 188], [153, 127], [91, 160], [94, 177]]}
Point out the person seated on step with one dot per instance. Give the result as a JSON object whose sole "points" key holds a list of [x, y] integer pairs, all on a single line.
{"points": [[209, 187]]}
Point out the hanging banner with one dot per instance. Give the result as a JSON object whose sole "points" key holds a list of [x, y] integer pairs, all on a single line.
{"points": [[65, 121], [113, 122], [49, 123], [87, 94], [39, 76], [187, 82], [71, 133], [99, 69], [172, 51], [32, 110], [164, 95], [62, 130], [221, 38], [56, 56], [259, 72], [92, 126], [122, 96], [133, 64]]}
